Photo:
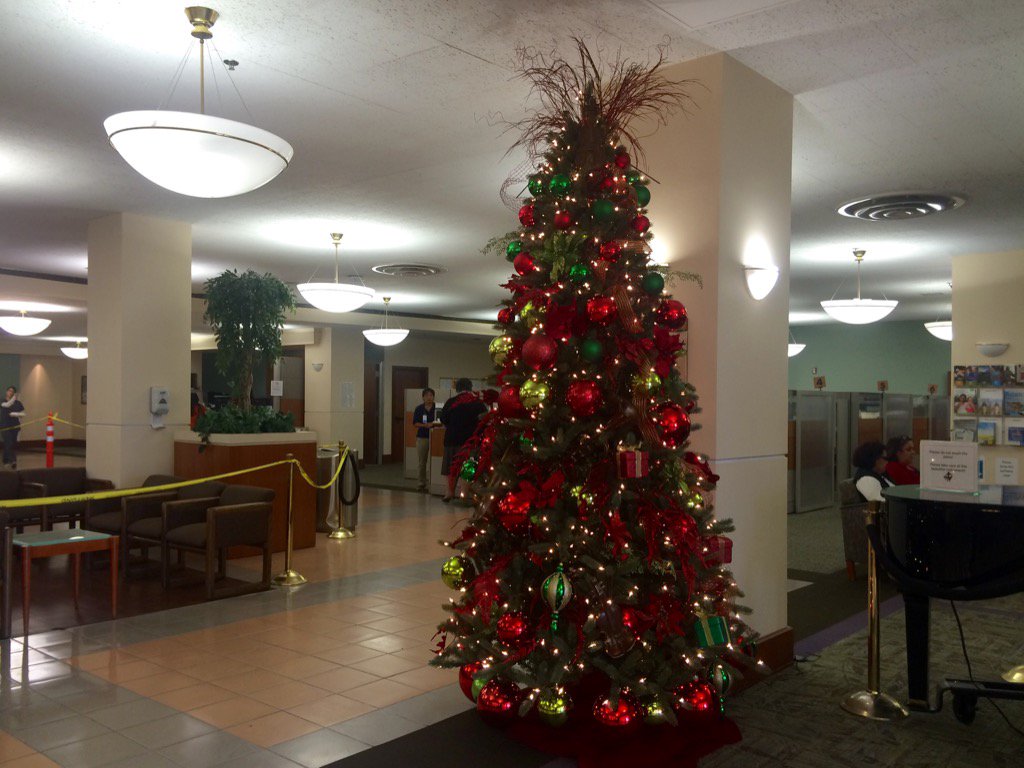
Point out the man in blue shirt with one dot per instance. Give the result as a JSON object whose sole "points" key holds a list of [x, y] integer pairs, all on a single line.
{"points": [[425, 419]]}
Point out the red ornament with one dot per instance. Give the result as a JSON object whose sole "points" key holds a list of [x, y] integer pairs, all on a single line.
{"points": [[499, 697], [563, 220], [610, 250], [695, 698], [540, 352], [624, 715], [526, 215], [607, 184], [641, 224], [466, 672], [513, 629], [505, 315], [513, 511], [671, 314], [601, 310], [509, 405], [524, 263], [622, 160], [673, 424], [584, 397]]}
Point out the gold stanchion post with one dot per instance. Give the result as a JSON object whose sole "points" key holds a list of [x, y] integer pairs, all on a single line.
{"points": [[341, 532], [872, 703], [289, 578]]}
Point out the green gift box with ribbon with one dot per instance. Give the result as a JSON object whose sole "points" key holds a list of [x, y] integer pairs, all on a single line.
{"points": [[711, 631]]}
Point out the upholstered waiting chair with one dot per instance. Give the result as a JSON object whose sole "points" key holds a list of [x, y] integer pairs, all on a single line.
{"points": [[13, 486], [64, 481], [241, 517], [855, 537]]}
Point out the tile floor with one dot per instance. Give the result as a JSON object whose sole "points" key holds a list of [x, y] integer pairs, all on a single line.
{"points": [[295, 677]]}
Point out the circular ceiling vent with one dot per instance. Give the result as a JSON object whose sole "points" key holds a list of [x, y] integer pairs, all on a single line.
{"points": [[408, 270], [900, 206]]}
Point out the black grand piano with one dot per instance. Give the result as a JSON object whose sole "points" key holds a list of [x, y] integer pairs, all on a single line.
{"points": [[949, 546]]}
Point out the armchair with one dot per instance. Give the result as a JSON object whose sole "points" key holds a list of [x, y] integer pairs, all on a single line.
{"points": [[63, 481], [13, 486], [240, 517]]}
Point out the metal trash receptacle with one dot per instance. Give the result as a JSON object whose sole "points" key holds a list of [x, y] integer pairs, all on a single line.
{"points": [[326, 498]]}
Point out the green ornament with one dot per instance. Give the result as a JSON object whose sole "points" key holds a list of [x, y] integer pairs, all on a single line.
{"points": [[499, 348], [580, 273], [453, 572], [647, 381], [468, 471], [633, 177], [720, 679], [533, 393], [525, 440], [653, 283], [602, 209], [513, 249], [532, 314], [535, 184], [559, 184], [478, 685], [643, 195], [591, 350], [553, 707], [654, 713], [557, 589]]}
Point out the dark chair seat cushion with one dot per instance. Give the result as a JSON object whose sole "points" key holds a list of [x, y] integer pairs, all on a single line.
{"points": [[244, 494], [59, 481], [108, 522], [146, 528], [193, 535], [10, 484]]}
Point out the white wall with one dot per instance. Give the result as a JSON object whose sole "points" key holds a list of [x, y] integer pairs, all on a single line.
{"points": [[47, 384]]}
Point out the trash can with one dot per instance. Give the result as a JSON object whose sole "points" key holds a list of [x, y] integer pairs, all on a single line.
{"points": [[326, 498]]}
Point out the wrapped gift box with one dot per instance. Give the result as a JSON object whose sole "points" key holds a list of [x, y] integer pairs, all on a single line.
{"points": [[711, 631], [633, 463], [719, 550]]}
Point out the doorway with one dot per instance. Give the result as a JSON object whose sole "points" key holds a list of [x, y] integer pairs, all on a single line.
{"points": [[373, 367], [403, 377]]}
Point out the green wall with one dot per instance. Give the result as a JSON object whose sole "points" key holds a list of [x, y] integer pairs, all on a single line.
{"points": [[10, 371], [853, 358]]}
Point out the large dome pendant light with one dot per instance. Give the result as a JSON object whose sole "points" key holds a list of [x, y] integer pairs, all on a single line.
{"points": [[384, 336], [193, 153], [23, 325], [335, 297], [858, 311]]}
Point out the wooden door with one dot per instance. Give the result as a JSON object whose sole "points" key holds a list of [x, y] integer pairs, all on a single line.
{"points": [[403, 377], [373, 364]]}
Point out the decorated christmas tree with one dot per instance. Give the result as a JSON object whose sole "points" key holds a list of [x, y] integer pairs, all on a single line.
{"points": [[592, 562]]}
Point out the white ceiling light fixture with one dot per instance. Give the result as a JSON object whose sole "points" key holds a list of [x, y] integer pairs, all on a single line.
{"points": [[23, 325], [335, 297], [794, 348], [858, 311], [196, 154], [384, 336], [77, 352], [941, 329], [761, 280]]}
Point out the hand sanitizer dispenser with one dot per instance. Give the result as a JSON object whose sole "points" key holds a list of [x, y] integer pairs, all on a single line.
{"points": [[159, 406]]}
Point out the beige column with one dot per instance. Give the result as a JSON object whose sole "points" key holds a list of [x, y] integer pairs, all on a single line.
{"points": [[334, 393], [723, 202], [139, 323]]}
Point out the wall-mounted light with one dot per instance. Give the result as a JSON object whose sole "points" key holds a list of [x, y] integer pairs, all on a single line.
{"points": [[941, 329], [318, 367], [992, 348], [761, 280]]}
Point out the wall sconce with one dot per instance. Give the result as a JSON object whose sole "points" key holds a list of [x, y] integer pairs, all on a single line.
{"points": [[991, 348], [761, 280], [318, 367]]}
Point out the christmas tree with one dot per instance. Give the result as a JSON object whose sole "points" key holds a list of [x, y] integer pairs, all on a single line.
{"points": [[593, 560]]}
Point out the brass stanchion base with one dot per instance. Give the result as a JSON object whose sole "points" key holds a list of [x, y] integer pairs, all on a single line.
{"points": [[874, 706], [1015, 675], [341, 533], [289, 579]]}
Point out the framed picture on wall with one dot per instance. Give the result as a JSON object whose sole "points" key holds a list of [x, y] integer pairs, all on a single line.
{"points": [[84, 390]]}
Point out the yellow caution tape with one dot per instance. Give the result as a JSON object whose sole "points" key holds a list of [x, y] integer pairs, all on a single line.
{"points": [[55, 417]]}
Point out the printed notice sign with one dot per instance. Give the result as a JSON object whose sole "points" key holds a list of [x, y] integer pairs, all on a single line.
{"points": [[949, 466], [1006, 471], [276, 387]]}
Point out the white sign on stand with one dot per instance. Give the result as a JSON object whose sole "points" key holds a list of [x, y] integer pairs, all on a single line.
{"points": [[949, 466]]}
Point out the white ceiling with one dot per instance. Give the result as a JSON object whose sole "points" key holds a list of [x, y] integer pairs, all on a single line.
{"points": [[396, 108]]}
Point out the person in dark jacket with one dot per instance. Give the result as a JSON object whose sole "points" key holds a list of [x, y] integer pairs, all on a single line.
{"points": [[11, 413], [870, 479], [459, 416]]}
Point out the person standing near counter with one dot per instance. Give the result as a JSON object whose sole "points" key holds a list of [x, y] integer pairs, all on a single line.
{"points": [[11, 413], [425, 419], [459, 416]]}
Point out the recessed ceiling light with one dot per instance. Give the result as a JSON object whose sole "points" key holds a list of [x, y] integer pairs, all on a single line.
{"points": [[408, 270], [900, 206]]}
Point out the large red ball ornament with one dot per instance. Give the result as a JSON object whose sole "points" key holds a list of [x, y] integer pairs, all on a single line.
{"points": [[610, 250], [505, 315], [524, 263], [673, 424], [499, 697], [513, 629], [607, 184], [526, 217], [466, 672], [513, 512], [540, 352], [584, 397], [625, 714], [563, 220], [641, 224], [671, 314], [622, 160], [509, 405], [601, 310], [695, 698]]}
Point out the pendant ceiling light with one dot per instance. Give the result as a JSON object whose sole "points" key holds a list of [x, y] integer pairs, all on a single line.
{"points": [[794, 348], [22, 325], [941, 329], [193, 153], [384, 336], [336, 297], [858, 311], [77, 352]]}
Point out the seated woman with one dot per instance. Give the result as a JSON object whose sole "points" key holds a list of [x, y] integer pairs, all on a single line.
{"points": [[870, 479], [900, 469]]}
